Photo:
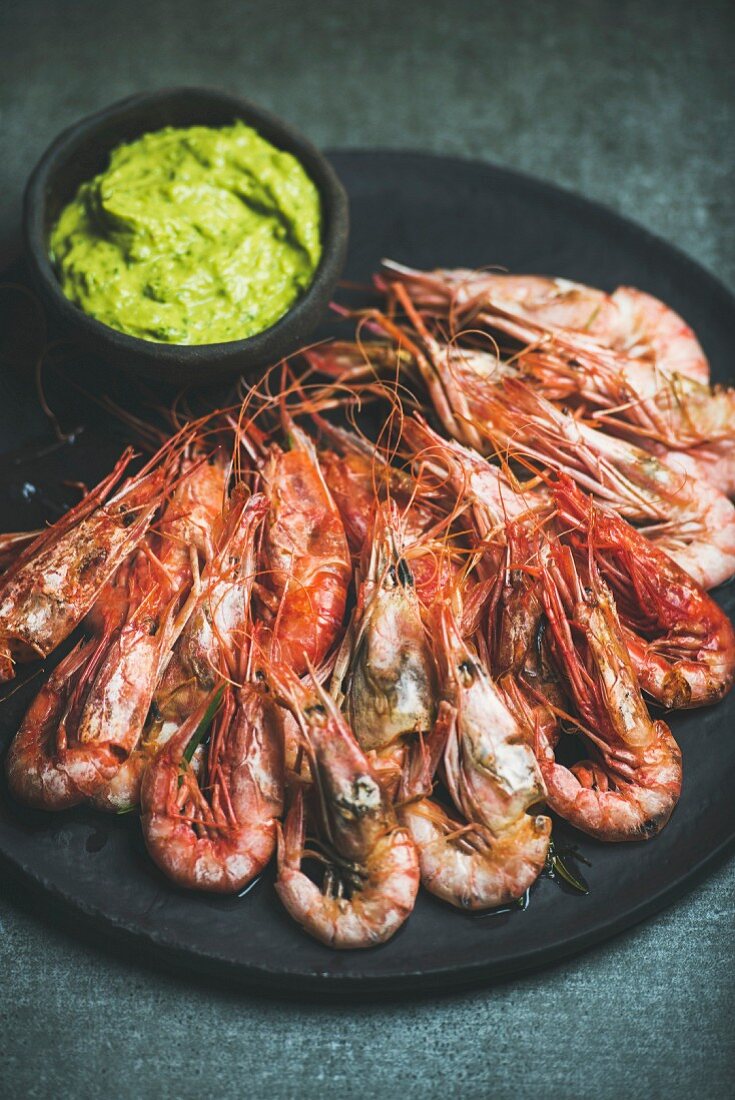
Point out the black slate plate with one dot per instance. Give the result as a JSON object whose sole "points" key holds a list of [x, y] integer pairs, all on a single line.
{"points": [[426, 211]]}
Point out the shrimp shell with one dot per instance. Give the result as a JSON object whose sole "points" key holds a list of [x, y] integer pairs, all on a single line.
{"points": [[630, 789], [372, 850], [469, 866], [52, 585], [221, 842], [306, 559]]}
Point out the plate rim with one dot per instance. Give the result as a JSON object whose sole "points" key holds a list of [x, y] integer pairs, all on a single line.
{"points": [[441, 978]]}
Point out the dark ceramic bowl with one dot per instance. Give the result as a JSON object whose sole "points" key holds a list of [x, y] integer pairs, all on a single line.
{"points": [[82, 151]]}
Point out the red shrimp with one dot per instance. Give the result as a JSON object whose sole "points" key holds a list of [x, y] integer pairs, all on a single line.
{"points": [[186, 540], [207, 650], [691, 521], [630, 788], [359, 476], [46, 765], [681, 642], [306, 560], [52, 584]]}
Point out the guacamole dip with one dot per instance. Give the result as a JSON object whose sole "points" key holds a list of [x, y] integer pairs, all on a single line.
{"points": [[191, 236]]}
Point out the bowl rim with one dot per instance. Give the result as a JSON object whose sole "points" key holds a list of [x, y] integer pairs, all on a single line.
{"points": [[334, 229]]}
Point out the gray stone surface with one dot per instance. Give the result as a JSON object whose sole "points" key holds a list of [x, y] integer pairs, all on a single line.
{"points": [[634, 105]]}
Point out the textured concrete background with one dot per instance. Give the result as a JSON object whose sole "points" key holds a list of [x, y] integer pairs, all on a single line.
{"points": [[633, 104]]}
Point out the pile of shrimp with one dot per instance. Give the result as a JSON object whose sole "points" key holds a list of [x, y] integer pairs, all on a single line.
{"points": [[374, 659]]}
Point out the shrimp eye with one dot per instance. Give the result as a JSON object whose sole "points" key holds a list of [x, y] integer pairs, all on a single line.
{"points": [[467, 672], [405, 576]]}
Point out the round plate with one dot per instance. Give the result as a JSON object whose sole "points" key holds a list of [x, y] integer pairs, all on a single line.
{"points": [[426, 211]]}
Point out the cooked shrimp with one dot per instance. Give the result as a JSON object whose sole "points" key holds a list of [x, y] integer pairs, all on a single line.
{"points": [[186, 543], [47, 766], [80, 734], [681, 642], [694, 523], [712, 462], [666, 411], [217, 831], [646, 327], [208, 648], [51, 586], [466, 864], [630, 322], [306, 560], [631, 788], [679, 418], [489, 767], [486, 490], [636, 397], [390, 684], [360, 477], [691, 521], [372, 875], [349, 478], [516, 625]]}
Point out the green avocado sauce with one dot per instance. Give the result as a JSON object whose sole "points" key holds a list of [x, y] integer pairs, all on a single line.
{"points": [[191, 236]]}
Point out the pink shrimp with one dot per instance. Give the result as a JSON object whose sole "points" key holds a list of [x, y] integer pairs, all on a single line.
{"points": [[629, 322], [679, 418], [694, 523], [390, 683], [372, 875], [464, 862], [217, 830], [488, 765], [644, 396], [493, 777], [469, 866]]}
